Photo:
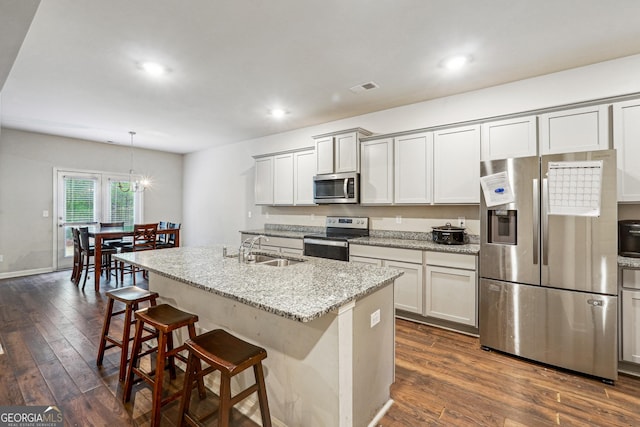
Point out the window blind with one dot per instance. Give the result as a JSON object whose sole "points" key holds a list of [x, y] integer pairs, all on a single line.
{"points": [[80, 199]]}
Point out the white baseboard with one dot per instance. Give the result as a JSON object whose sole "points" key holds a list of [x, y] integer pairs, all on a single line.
{"points": [[380, 414], [12, 274]]}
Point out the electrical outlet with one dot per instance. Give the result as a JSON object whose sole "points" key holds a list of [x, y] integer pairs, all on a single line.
{"points": [[249, 214], [45, 214], [398, 219], [1, 258], [375, 318], [461, 221]]}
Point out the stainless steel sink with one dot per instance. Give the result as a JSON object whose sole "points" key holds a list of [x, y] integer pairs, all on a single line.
{"points": [[274, 261]]}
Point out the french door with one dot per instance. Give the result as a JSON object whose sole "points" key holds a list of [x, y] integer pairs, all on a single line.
{"points": [[88, 198]]}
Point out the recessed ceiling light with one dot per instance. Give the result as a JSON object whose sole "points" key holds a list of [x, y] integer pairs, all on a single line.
{"points": [[456, 62], [154, 69], [278, 113]]}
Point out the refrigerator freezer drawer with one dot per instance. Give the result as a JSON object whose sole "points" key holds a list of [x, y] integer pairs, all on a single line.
{"points": [[571, 330]]}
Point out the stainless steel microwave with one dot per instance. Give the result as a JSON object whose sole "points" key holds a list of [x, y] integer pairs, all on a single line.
{"points": [[336, 188]]}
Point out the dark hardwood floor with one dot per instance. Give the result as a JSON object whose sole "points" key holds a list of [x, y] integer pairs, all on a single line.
{"points": [[49, 333]]}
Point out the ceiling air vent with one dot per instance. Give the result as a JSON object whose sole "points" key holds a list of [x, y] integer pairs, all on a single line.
{"points": [[364, 87]]}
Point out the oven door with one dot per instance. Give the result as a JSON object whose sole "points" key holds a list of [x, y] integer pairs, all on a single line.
{"points": [[330, 249]]}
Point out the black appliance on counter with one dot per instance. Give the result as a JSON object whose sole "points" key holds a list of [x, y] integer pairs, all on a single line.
{"points": [[629, 238], [449, 235], [334, 243]]}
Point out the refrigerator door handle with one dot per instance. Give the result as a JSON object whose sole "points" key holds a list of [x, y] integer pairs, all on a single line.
{"points": [[536, 215], [545, 223]]}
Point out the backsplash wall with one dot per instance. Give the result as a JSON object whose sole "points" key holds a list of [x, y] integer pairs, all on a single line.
{"points": [[396, 218]]}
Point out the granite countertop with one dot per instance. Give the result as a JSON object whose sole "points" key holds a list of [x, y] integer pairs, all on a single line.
{"points": [[301, 292], [628, 262], [390, 239]]}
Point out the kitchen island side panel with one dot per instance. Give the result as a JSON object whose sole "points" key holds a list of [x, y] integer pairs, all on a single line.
{"points": [[305, 360]]}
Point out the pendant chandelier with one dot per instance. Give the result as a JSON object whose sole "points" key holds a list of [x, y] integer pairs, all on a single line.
{"points": [[136, 184]]}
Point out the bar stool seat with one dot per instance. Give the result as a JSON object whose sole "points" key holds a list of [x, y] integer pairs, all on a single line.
{"points": [[131, 297], [230, 355], [165, 319]]}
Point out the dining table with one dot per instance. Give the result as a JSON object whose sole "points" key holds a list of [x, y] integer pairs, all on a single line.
{"points": [[100, 234]]}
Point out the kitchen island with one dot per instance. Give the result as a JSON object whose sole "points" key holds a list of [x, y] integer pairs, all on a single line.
{"points": [[327, 326]]}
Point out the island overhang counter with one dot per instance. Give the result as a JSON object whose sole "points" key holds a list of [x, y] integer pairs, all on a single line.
{"points": [[327, 326]]}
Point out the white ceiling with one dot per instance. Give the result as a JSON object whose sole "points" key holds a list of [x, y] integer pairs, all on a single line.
{"points": [[77, 72]]}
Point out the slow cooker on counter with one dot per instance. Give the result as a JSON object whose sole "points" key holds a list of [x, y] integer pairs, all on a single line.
{"points": [[449, 235]]}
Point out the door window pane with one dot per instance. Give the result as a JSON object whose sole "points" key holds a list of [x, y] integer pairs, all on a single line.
{"points": [[122, 206]]}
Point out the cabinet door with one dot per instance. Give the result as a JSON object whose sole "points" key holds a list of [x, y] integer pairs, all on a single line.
{"points": [[504, 139], [304, 168], [408, 287], [414, 169], [264, 181], [626, 141], [456, 165], [631, 326], [376, 179], [283, 179], [324, 155], [451, 294], [579, 129], [346, 153]]}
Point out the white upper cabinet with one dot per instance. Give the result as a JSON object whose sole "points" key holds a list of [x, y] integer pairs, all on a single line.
{"points": [[283, 179], [346, 155], [324, 155], [578, 129], [456, 165], [286, 178], [264, 181], [304, 167], [626, 141], [413, 169], [340, 151], [376, 178], [505, 139]]}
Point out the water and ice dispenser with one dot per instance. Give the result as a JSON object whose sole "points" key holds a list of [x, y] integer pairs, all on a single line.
{"points": [[502, 226]]}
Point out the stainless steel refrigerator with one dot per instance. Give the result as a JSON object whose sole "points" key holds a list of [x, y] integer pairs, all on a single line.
{"points": [[548, 281]]}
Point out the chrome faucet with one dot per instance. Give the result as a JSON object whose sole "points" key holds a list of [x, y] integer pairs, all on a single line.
{"points": [[243, 254]]}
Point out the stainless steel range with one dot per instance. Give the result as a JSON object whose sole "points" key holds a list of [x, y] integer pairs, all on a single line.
{"points": [[334, 242]]}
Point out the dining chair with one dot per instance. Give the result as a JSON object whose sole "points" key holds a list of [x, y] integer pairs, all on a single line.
{"points": [[170, 239], [144, 239], [161, 238], [108, 244], [87, 251], [76, 273]]}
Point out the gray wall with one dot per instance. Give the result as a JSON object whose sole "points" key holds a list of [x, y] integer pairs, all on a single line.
{"points": [[219, 182], [27, 161]]}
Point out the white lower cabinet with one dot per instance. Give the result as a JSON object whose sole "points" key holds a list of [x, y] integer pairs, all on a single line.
{"points": [[408, 287], [435, 285], [631, 325], [451, 288], [630, 316]]}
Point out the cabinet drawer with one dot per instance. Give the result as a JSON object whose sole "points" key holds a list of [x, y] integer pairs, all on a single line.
{"points": [[630, 278], [396, 254], [283, 242], [444, 259]]}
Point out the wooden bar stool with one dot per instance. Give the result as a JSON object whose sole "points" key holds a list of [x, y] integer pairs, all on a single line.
{"points": [[165, 319], [131, 297], [230, 355]]}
